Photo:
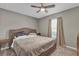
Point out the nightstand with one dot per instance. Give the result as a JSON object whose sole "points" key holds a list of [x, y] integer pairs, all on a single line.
{"points": [[4, 41]]}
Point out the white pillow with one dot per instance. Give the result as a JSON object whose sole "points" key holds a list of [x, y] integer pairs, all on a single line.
{"points": [[32, 34], [18, 38]]}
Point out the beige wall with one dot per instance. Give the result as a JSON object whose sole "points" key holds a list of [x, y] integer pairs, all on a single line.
{"points": [[70, 24], [11, 20]]}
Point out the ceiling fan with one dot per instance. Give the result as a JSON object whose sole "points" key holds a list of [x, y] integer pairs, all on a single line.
{"points": [[43, 8]]}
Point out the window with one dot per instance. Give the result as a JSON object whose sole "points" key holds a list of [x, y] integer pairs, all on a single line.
{"points": [[54, 28]]}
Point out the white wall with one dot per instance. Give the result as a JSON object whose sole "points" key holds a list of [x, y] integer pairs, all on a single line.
{"points": [[70, 24], [11, 20]]}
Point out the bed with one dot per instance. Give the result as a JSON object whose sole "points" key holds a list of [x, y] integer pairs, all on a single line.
{"points": [[31, 45]]}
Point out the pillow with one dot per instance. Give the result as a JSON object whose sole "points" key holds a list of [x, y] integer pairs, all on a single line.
{"points": [[32, 34], [18, 38], [21, 37], [21, 34]]}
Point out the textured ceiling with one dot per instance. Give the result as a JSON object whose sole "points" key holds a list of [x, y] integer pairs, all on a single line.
{"points": [[24, 8]]}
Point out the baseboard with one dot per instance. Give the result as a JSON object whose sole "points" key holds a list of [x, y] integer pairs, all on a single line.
{"points": [[75, 49]]}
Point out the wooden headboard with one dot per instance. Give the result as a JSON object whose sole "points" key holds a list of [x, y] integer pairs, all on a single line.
{"points": [[13, 32]]}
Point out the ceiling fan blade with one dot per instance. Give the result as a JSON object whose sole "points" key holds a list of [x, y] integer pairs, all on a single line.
{"points": [[38, 11], [49, 6], [35, 6]]}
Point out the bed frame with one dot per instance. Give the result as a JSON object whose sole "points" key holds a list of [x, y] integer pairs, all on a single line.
{"points": [[12, 33]]}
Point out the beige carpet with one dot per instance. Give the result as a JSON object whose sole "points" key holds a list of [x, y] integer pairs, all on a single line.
{"points": [[64, 52]]}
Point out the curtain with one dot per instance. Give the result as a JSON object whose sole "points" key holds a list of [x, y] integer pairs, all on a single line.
{"points": [[49, 28], [78, 44], [60, 33]]}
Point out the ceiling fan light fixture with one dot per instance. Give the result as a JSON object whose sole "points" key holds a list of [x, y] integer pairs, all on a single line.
{"points": [[42, 9]]}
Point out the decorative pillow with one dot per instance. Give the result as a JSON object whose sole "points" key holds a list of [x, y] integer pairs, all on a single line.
{"points": [[21, 34], [32, 34]]}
